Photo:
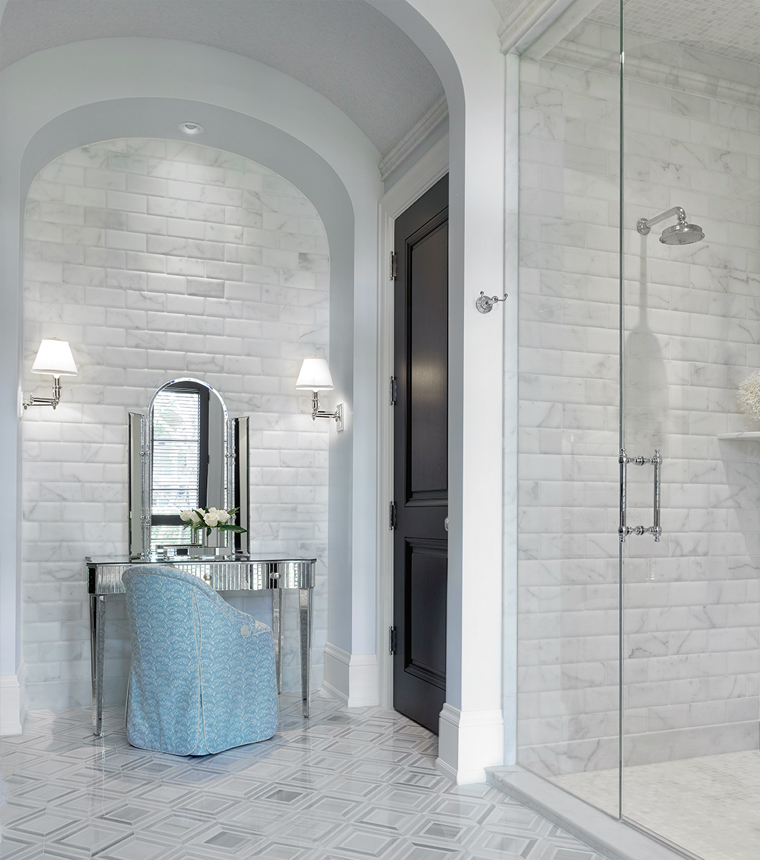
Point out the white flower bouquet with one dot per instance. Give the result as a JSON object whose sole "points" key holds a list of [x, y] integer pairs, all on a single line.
{"points": [[208, 519]]}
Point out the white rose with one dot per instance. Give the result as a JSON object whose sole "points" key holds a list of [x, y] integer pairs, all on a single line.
{"points": [[222, 516], [211, 519], [185, 516], [195, 518]]}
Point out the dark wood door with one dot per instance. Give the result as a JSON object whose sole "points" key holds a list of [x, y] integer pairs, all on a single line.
{"points": [[421, 457]]}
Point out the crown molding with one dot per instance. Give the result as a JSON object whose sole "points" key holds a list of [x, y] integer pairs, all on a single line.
{"points": [[413, 138], [528, 22]]}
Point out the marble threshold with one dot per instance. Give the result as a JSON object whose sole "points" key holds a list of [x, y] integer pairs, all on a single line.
{"points": [[601, 832]]}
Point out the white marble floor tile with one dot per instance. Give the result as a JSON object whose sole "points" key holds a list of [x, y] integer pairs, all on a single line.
{"points": [[343, 785]]}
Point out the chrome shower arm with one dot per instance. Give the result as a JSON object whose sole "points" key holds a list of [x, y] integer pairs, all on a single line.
{"points": [[643, 225]]}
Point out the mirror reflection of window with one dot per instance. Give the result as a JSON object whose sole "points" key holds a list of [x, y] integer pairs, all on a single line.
{"points": [[180, 458]]}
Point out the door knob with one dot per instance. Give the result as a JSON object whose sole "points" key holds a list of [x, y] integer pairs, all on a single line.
{"points": [[446, 523]]}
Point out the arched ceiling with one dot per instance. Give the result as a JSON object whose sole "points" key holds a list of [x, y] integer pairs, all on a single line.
{"points": [[344, 49]]}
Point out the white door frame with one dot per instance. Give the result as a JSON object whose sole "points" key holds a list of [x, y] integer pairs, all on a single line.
{"points": [[428, 170]]}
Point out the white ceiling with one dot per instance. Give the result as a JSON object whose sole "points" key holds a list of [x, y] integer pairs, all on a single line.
{"points": [[344, 49]]}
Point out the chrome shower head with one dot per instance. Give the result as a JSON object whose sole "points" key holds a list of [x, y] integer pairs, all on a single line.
{"points": [[680, 233]]}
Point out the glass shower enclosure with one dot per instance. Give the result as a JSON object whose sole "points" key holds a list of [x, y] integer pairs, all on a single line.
{"points": [[639, 523]]}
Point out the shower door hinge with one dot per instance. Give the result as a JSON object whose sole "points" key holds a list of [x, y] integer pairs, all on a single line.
{"points": [[392, 517], [394, 390], [391, 640], [393, 266]]}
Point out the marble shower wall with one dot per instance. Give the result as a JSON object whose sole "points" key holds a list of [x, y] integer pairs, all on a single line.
{"points": [[692, 138], [159, 259]]}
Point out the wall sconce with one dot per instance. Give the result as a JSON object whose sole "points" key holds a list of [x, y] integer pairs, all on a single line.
{"points": [[54, 356], [315, 376]]}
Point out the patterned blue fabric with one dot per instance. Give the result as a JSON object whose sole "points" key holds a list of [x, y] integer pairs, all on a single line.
{"points": [[202, 678]]}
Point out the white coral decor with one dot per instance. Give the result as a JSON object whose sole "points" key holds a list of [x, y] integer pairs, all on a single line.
{"points": [[749, 395]]}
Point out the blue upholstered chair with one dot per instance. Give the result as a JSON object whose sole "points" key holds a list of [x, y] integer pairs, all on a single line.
{"points": [[202, 678]]}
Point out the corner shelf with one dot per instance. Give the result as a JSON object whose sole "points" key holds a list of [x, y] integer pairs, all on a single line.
{"points": [[745, 434]]}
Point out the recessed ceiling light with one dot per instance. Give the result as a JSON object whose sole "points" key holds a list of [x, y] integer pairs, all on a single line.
{"points": [[191, 128]]}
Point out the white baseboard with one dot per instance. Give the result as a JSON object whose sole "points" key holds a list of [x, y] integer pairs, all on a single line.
{"points": [[351, 678], [12, 702], [468, 743]]}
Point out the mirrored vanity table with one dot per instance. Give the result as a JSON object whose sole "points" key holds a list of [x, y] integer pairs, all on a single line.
{"points": [[188, 453], [239, 575]]}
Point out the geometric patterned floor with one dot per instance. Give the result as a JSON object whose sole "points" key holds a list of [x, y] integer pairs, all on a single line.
{"points": [[354, 785]]}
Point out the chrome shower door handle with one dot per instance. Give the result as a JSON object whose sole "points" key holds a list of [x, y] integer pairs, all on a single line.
{"points": [[657, 463], [624, 529]]}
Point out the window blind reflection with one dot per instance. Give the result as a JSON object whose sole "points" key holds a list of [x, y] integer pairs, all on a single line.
{"points": [[176, 451]]}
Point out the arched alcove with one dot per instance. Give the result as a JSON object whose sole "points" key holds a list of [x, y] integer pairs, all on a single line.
{"points": [[156, 259], [461, 43]]}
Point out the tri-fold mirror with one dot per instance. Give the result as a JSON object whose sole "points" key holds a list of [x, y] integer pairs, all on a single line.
{"points": [[185, 453]]}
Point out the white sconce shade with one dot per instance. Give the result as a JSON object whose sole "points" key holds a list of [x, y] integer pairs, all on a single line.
{"points": [[54, 356], [315, 375]]}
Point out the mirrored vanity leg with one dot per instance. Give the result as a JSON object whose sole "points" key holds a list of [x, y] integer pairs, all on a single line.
{"points": [[97, 647], [304, 623], [277, 634]]}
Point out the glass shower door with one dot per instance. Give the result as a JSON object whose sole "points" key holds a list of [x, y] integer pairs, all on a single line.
{"points": [[568, 550], [689, 335]]}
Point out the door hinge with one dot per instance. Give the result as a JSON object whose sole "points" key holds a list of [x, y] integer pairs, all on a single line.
{"points": [[391, 640], [393, 266], [392, 518], [394, 390]]}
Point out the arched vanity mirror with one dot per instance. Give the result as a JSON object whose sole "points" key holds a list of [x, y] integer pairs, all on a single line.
{"points": [[185, 453]]}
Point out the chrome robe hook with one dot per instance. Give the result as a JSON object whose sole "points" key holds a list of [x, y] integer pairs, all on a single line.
{"points": [[485, 303]]}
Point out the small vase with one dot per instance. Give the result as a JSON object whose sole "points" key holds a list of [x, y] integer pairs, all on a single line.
{"points": [[208, 538]]}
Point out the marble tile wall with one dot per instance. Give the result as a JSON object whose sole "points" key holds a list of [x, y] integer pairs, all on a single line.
{"points": [[692, 321], [156, 259]]}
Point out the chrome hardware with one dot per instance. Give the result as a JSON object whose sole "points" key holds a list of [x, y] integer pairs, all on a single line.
{"points": [[624, 530], [391, 640], [644, 225], [680, 233], [446, 523], [394, 390], [392, 518], [485, 303], [46, 401], [394, 266], [316, 412]]}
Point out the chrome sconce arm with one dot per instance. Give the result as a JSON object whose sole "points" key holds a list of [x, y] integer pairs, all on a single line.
{"points": [[316, 412], [46, 401]]}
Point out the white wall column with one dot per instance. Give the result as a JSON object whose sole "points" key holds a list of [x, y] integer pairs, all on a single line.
{"points": [[460, 40]]}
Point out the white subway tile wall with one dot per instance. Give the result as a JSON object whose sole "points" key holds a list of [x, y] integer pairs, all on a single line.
{"points": [[157, 259], [692, 321]]}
